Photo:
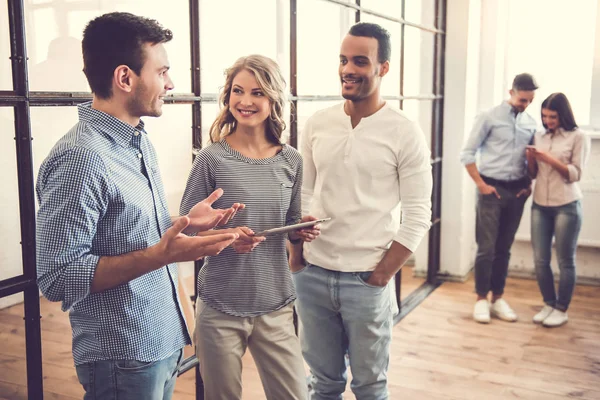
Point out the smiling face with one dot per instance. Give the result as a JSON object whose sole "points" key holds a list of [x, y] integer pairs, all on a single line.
{"points": [[521, 99], [147, 97], [360, 71], [550, 119], [247, 101]]}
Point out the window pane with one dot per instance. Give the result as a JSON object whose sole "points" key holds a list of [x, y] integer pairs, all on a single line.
{"points": [[209, 114], [5, 65], [418, 65], [11, 263], [257, 27], [391, 8], [54, 33], [319, 48], [420, 111], [570, 75], [390, 85], [170, 134], [420, 12]]}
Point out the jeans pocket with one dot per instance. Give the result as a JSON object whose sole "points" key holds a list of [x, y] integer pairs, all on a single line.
{"points": [[133, 365], [363, 277], [301, 269]]}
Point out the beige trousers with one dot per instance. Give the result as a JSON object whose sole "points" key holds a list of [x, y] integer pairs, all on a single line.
{"points": [[221, 341]]}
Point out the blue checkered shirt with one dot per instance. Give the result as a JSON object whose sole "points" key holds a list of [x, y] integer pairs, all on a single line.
{"points": [[101, 194]]}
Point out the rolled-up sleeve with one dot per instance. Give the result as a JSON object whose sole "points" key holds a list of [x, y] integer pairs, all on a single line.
{"points": [[581, 151], [476, 138], [73, 192], [414, 174]]}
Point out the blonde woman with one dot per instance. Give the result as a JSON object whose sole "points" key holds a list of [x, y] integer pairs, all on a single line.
{"points": [[245, 294]]}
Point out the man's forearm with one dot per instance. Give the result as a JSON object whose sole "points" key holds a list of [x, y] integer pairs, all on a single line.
{"points": [[390, 264], [113, 271], [295, 250], [474, 174]]}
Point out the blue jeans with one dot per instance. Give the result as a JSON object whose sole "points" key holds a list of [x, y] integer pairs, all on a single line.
{"points": [[564, 223], [341, 314], [496, 225], [129, 379]]}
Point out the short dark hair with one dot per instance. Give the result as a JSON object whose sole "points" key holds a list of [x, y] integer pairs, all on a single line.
{"points": [[525, 82], [367, 29], [115, 39], [558, 102]]}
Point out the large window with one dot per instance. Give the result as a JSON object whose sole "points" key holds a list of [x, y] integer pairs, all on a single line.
{"points": [[303, 36], [557, 47], [5, 70], [10, 230]]}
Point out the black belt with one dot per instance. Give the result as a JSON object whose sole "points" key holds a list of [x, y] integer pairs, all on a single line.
{"points": [[522, 183]]}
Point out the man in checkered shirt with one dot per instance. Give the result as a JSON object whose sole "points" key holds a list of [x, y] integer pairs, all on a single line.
{"points": [[107, 246]]}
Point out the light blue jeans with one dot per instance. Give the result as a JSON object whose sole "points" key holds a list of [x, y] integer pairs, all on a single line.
{"points": [[129, 379], [563, 223], [340, 314]]}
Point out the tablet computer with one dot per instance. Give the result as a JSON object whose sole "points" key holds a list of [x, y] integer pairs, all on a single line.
{"points": [[289, 228]]}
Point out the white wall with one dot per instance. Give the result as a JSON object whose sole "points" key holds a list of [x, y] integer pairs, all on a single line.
{"points": [[477, 77]]}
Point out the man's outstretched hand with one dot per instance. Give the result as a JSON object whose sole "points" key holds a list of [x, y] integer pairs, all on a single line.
{"points": [[204, 217], [176, 247]]}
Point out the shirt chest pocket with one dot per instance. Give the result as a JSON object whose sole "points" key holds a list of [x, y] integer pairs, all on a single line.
{"points": [[285, 195]]}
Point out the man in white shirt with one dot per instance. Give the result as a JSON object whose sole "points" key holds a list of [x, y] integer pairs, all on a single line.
{"points": [[364, 163]]}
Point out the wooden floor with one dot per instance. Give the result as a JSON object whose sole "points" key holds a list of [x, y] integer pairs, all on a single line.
{"points": [[438, 352]]}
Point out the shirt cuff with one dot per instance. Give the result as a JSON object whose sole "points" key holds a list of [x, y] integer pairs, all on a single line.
{"points": [[573, 173], [411, 242], [467, 159]]}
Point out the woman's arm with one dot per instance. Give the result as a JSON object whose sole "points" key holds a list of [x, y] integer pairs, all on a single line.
{"points": [[532, 167]]}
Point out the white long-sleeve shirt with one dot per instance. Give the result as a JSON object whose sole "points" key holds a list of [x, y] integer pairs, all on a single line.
{"points": [[363, 178]]}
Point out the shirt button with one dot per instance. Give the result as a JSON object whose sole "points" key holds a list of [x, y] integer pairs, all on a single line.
{"points": [[136, 133], [139, 155]]}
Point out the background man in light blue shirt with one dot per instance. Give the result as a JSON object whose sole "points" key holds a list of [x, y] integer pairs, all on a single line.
{"points": [[500, 135]]}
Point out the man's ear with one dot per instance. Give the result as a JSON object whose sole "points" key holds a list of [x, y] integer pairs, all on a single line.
{"points": [[384, 68], [122, 78]]}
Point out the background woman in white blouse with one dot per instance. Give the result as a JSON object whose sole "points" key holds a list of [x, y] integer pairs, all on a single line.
{"points": [[556, 162]]}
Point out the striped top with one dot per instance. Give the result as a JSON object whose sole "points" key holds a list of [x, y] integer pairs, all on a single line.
{"points": [[259, 282]]}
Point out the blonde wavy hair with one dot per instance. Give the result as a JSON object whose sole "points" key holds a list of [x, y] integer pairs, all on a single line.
{"points": [[271, 82]]}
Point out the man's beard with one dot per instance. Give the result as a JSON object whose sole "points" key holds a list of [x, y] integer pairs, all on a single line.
{"points": [[138, 105]]}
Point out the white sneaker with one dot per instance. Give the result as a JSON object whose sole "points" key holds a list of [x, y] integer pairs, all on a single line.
{"points": [[542, 315], [556, 318], [481, 313], [500, 309]]}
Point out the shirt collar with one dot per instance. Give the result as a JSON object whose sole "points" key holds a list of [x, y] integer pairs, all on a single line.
{"points": [[509, 109], [559, 131], [120, 131]]}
